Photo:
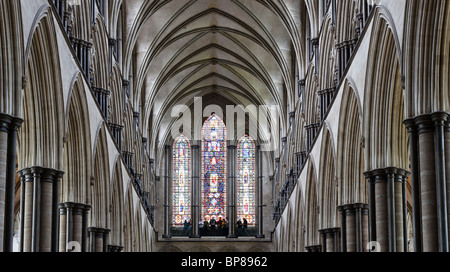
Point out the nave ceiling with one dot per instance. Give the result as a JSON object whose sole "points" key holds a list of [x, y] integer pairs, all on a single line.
{"points": [[238, 52]]}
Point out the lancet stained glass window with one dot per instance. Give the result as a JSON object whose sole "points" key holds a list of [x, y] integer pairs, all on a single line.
{"points": [[181, 181], [246, 180], [214, 157]]}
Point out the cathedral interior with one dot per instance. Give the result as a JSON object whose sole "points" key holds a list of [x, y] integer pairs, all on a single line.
{"points": [[224, 126]]}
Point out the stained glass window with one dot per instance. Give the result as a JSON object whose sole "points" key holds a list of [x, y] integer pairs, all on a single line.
{"points": [[214, 156], [181, 181], [246, 180]]}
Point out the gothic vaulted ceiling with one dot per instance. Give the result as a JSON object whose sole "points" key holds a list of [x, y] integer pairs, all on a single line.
{"points": [[236, 52]]}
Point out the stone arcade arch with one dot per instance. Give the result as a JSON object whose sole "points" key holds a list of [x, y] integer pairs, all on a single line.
{"points": [[352, 183], [387, 147], [327, 189], [77, 148], [117, 211], [100, 184], [311, 208], [40, 144]]}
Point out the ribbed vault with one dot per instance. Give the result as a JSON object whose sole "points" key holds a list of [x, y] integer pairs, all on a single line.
{"points": [[235, 51]]}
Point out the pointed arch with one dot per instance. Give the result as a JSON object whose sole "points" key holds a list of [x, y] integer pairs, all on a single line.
{"points": [[117, 112], [40, 139], [350, 152], [386, 136], [345, 18], [214, 169], [299, 222], [327, 56], [327, 183], [77, 151], [11, 42], [118, 205], [427, 28], [311, 98], [138, 231], [82, 20], [100, 59], [311, 207], [100, 191], [129, 232]]}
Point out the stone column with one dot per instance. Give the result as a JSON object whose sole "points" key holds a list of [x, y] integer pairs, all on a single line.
{"points": [[330, 239], [387, 191], [77, 227], [196, 195], [63, 228], [8, 143], [354, 227], [22, 212], [430, 180], [98, 239], [72, 225], [40, 209], [84, 231], [167, 159], [415, 184], [232, 191], [439, 121]]}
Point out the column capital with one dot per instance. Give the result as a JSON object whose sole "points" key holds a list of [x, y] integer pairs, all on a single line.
{"points": [[8, 122], [381, 175], [62, 208], [440, 117], [47, 174], [87, 208], [424, 123], [410, 124], [336, 230], [69, 205], [79, 208]]}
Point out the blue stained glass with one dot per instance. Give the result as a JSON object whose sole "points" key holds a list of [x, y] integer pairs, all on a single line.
{"points": [[246, 180], [214, 155], [181, 181]]}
